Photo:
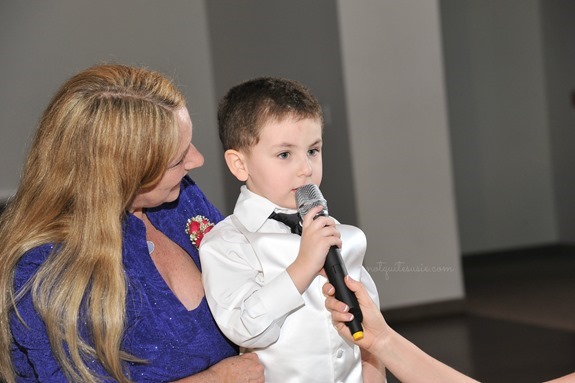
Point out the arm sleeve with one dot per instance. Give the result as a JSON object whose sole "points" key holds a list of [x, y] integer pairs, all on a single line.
{"points": [[249, 312], [31, 352]]}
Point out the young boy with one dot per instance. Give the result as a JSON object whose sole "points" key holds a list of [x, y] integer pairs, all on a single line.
{"points": [[262, 282]]}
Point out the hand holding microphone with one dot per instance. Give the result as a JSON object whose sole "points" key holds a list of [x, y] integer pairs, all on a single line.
{"points": [[308, 197]]}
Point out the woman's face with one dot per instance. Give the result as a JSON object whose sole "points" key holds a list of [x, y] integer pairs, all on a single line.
{"points": [[188, 158]]}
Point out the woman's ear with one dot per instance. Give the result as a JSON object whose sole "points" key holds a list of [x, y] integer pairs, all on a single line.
{"points": [[237, 164]]}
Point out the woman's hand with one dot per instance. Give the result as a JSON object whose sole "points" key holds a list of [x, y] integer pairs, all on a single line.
{"points": [[402, 358], [239, 369], [374, 325]]}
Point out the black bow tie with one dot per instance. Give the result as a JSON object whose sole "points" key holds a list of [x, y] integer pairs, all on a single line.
{"points": [[291, 220]]}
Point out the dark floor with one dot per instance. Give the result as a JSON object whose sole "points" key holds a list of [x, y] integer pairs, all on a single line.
{"points": [[519, 321]]}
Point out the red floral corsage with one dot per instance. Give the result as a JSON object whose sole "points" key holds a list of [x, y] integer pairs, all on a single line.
{"points": [[196, 228]]}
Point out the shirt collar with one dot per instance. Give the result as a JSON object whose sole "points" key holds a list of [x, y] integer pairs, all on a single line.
{"points": [[253, 210]]}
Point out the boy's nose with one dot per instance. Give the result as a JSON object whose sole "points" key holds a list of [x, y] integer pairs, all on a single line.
{"points": [[306, 168]]}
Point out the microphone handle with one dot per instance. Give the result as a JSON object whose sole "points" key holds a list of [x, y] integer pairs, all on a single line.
{"points": [[336, 272]]}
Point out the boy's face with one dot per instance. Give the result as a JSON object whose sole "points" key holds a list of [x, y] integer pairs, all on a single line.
{"points": [[287, 156]]}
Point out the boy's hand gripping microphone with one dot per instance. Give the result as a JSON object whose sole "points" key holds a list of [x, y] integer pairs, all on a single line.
{"points": [[308, 197]]}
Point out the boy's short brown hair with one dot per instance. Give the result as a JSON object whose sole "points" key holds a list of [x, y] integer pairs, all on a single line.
{"points": [[247, 107]]}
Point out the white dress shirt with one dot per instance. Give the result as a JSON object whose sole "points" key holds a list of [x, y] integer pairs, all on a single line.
{"points": [[257, 306]]}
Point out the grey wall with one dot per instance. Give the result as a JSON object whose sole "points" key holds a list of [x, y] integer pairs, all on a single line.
{"points": [[510, 71], [393, 70], [386, 153], [377, 67], [500, 140], [42, 43], [558, 18]]}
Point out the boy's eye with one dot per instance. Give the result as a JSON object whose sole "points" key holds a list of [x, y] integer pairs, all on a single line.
{"points": [[313, 152], [283, 155]]}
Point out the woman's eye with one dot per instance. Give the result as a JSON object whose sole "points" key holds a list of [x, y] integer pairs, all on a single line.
{"points": [[181, 161], [176, 164]]}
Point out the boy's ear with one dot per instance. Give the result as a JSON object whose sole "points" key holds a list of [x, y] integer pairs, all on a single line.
{"points": [[236, 163]]}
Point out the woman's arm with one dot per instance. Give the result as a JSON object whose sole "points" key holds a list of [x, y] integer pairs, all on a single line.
{"points": [[565, 379], [236, 369], [401, 357], [372, 369]]}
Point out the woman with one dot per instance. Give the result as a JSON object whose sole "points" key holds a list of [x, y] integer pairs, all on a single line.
{"points": [[405, 360], [99, 269]]}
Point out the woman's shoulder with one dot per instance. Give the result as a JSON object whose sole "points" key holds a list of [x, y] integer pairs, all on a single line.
{"points": [[191, 201], [192, 196]]}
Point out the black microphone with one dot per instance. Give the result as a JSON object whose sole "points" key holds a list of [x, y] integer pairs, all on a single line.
{"points": [[307, 197]]}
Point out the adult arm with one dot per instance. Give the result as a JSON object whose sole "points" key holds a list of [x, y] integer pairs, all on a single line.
{"points": [[565, 379], [38, 364], [31, 351], [405, 360], [373, 369], [236, 369]]}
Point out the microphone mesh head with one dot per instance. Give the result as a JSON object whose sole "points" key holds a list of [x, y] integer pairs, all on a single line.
{"points": [[307, 197]]}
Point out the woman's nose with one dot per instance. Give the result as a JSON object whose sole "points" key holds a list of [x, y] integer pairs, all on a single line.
{"points": [[194, 159]]}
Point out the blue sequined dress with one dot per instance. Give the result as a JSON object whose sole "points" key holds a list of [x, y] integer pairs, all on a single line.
{"points": [[174, 341]]}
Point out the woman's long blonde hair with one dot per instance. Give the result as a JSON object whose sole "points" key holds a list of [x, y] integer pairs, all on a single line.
{"points": [[109, 132]]}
